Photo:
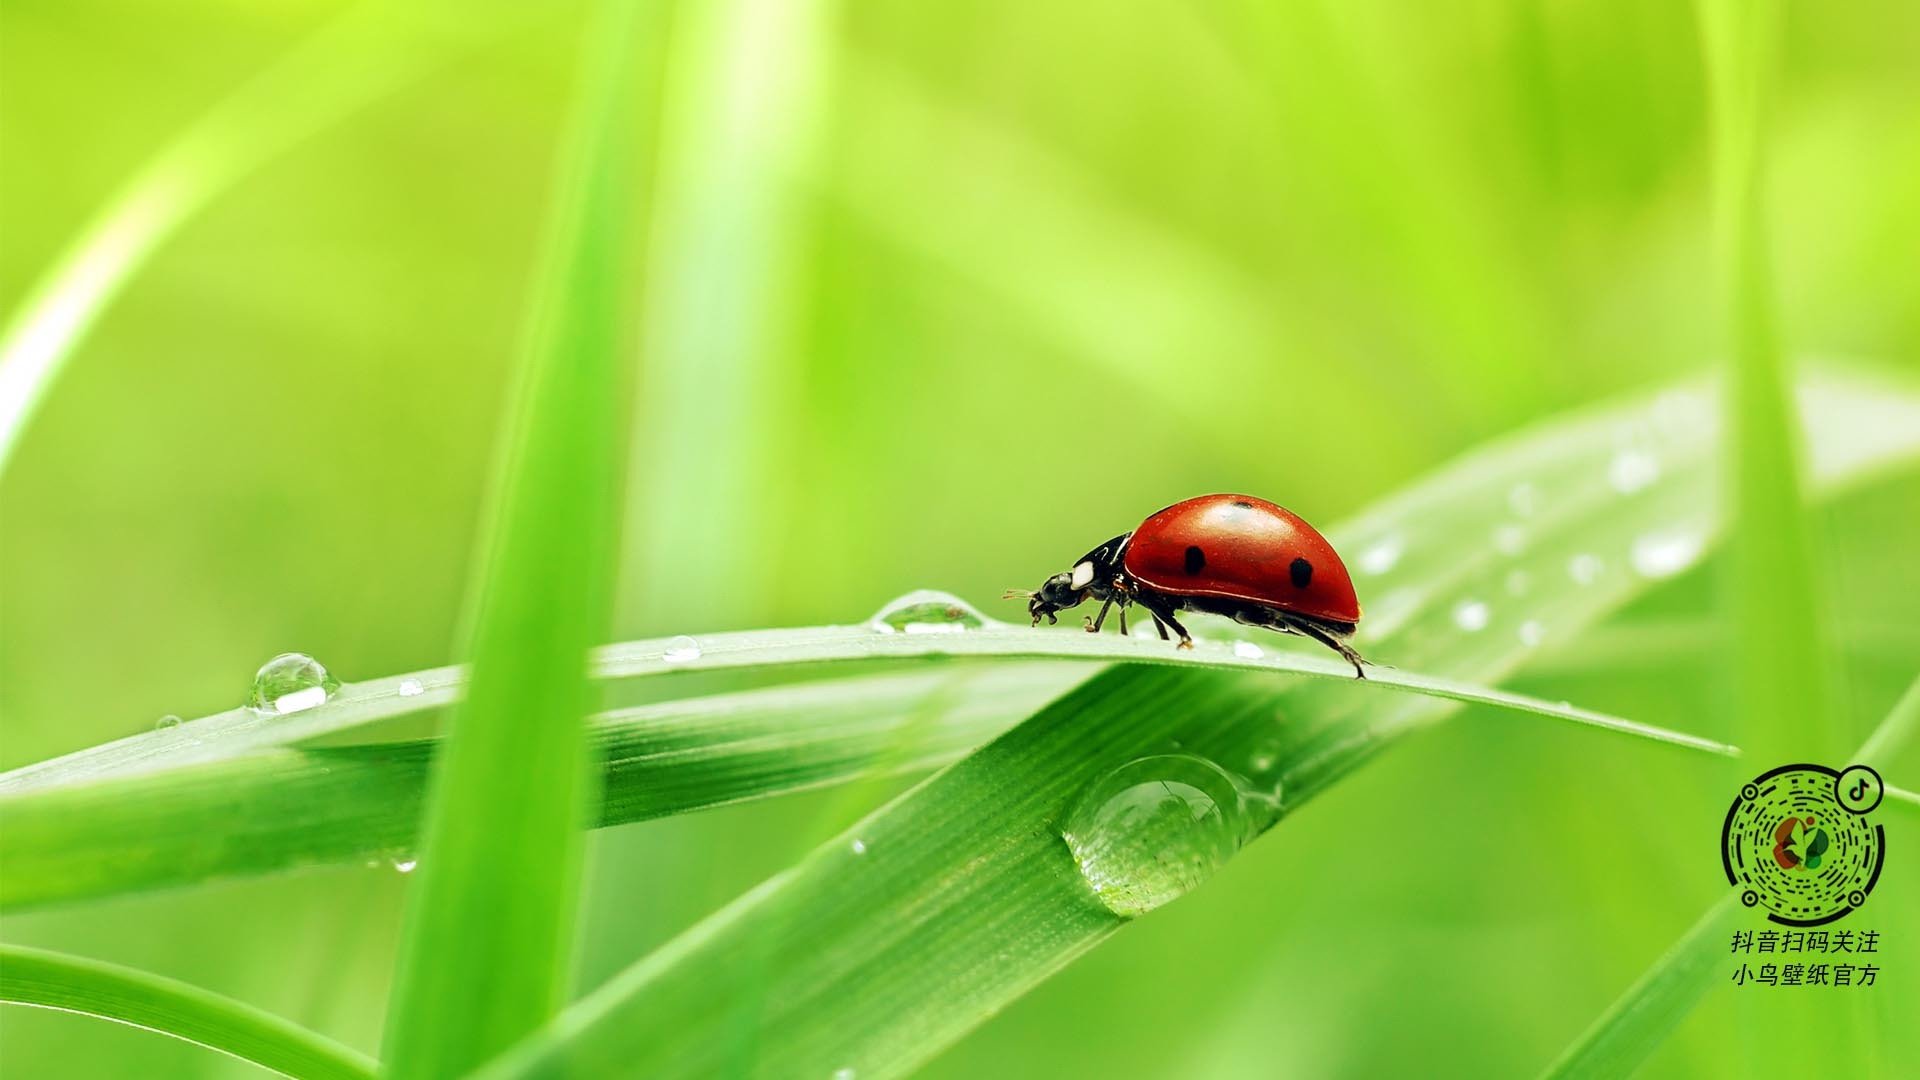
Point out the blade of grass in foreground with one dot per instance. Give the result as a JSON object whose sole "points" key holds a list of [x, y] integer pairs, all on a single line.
{"points": [[1628, 1033], [962, 894], [366, 54], [284, 807], [49, 980], [489, 926]]}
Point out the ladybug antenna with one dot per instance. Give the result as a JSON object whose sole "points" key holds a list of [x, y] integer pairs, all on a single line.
{"points": [[1017, 594]]}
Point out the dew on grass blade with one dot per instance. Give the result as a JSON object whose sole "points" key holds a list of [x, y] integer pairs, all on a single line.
{"points": [[1382, 556], [1150, 831], [290, 683], [1247, 650], [411, 688], [681, 650], [1664, 554], [859, 846], [1584, 568], [167, 721], [1472, 615], [1632, 470], [404, 865], [1531, 633], [927, 611]]}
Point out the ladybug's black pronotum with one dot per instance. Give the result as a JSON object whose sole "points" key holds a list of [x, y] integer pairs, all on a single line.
{"points": [[1233, 555]]}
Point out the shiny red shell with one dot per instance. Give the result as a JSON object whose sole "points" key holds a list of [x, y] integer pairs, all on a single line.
{"points": [[1242, 548]]}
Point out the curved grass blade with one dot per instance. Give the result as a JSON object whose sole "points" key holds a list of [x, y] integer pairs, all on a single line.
{"points": [[1628, 1033], [50, 980], [284, 807], [966, 896], [362, 57], [488, 929]]}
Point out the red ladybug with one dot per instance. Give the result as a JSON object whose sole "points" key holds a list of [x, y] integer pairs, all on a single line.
{"points": [[1233, 555]]}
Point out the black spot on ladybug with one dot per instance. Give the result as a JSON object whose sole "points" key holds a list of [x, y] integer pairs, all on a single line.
{"points": [[1301, 571], [1196, 560]]}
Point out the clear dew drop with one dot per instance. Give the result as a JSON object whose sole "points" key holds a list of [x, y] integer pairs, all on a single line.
{"points": [[843, 1073], [1150, 831], [1247, 650], [681, 650], [927, 611], [1531, 633], [166, 722], [290, 683], [1632, 470], [404, 865], [1472, 615], [1664, 554], [411, 688], [859, 846], [1383, 556], [1585, 568]]}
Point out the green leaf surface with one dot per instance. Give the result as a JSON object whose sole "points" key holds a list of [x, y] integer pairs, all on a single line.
{"points": [[488, 930], [50, 980], [961, 894]]}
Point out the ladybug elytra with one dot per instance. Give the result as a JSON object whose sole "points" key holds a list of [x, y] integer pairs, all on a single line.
{"points": [[1234, 555]]}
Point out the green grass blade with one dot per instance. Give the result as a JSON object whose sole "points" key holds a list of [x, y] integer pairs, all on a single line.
{"points": [[965, 896], [279, 808], [50, 980], [1779, 655], [363, 56], [1628, 1033], [488, 929]]}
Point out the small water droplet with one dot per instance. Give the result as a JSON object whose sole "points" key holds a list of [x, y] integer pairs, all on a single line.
{"points": [[1382, 556], [1531, 633], [1518, 582], [1631, 470], [927, 611], [843, 1073], [167, 721], [859, 847], [1664, 554], [681, 650], [1472, 615], [290, 683], [405, 864], [1584, 568], [1247, 650], [411, 688], [1510, 539], [1150, 831], [1523, 499]]}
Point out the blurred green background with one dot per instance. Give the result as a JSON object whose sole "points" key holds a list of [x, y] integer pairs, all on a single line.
{"points": [[941, 295]]}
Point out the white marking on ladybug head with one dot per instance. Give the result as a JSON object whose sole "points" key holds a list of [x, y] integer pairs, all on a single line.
{"points": [[1082, 575]]}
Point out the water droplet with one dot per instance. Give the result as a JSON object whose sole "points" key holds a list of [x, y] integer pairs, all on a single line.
{"points": [[1632, 470], [1664, 554], [290, 683], [404, 864], [681, 650], [1382, 556], [1472, 615], [411, 688], [843, 1073], [859, 847], [1518, 582], [1153, 829], [166, 721], [1523, 500], [1247, 650], [1510, 539], [1531, 633], [927, 611], [1584, 568]]}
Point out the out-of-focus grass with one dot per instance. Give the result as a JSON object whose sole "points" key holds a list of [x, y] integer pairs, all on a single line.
{"points": [[185, 505]]}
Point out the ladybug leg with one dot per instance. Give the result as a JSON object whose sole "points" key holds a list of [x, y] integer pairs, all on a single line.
{"points": [[1345, 650], [1163, 613], [1123, 620], [1094, 624], [1160, 626]]}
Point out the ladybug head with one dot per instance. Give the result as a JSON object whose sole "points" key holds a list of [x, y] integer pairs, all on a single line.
{"points": [[1061, 591]]}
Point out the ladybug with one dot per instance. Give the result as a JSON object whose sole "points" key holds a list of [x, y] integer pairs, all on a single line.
{"points": [[1233, 555]]}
